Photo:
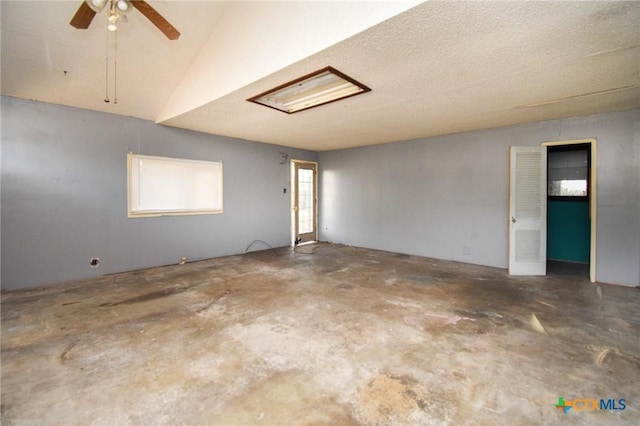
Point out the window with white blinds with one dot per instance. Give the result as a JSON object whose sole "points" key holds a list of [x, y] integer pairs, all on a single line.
{"points": [[159, 186]]}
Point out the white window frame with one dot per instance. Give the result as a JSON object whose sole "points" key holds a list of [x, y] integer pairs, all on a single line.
{"points": [[136, 183]]}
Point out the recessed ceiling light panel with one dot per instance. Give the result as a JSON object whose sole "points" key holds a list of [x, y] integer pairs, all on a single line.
{"points": [[312, 90]]}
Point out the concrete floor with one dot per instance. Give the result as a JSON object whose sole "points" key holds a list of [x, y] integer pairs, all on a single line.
{"points": [[341, 336]]}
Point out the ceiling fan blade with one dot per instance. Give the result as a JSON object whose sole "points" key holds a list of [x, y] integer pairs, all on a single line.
{"points": [[156, 19], [83, 17]]}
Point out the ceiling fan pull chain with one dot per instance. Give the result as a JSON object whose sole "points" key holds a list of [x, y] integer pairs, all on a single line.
{"points": [[106, 92], [115, 69]]}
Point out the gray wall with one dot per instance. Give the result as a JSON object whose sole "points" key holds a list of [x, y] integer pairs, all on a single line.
{"points": [[64, 192], [446, 196]]}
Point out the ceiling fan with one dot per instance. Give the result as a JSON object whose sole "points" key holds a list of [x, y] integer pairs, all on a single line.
{"points": [[116, 10]]}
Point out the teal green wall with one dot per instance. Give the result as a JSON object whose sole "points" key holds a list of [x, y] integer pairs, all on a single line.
{"points": [[568, 231]]}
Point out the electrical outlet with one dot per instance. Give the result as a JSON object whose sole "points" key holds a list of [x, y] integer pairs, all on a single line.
{"points": [[466, 250]]}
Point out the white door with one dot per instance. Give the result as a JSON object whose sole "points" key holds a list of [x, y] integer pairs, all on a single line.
{"points": [[528, 211]]}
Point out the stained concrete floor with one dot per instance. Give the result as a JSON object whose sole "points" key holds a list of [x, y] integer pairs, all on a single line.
{"points": [[341, 336]]}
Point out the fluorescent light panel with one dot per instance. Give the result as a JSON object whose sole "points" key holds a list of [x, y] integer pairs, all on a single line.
{"points": [[312, 90]]}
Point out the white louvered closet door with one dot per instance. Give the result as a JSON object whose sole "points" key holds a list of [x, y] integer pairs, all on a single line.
{"points": [[528, 211]]}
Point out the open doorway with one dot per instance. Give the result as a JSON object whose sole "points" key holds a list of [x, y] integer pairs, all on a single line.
{"points": [[528, 199], [304, 205], [571, 207]]}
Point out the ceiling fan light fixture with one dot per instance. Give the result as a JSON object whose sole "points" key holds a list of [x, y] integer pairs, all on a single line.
{"points": [[96, 5], [122, 5], [89, 8], [312, 90], [112, 27]]}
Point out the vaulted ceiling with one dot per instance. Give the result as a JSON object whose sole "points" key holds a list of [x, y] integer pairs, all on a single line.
{"points": [[434, 67]]}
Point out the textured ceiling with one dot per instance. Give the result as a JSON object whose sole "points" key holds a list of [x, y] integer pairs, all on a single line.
{"points": [[436, 68], [39, 45]]}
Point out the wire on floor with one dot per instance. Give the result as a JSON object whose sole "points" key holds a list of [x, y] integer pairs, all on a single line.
{"points": [[275, 252]]}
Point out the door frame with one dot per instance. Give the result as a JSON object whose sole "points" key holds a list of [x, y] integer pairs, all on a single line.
{"points": [[593, 200], [292, 185]]}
